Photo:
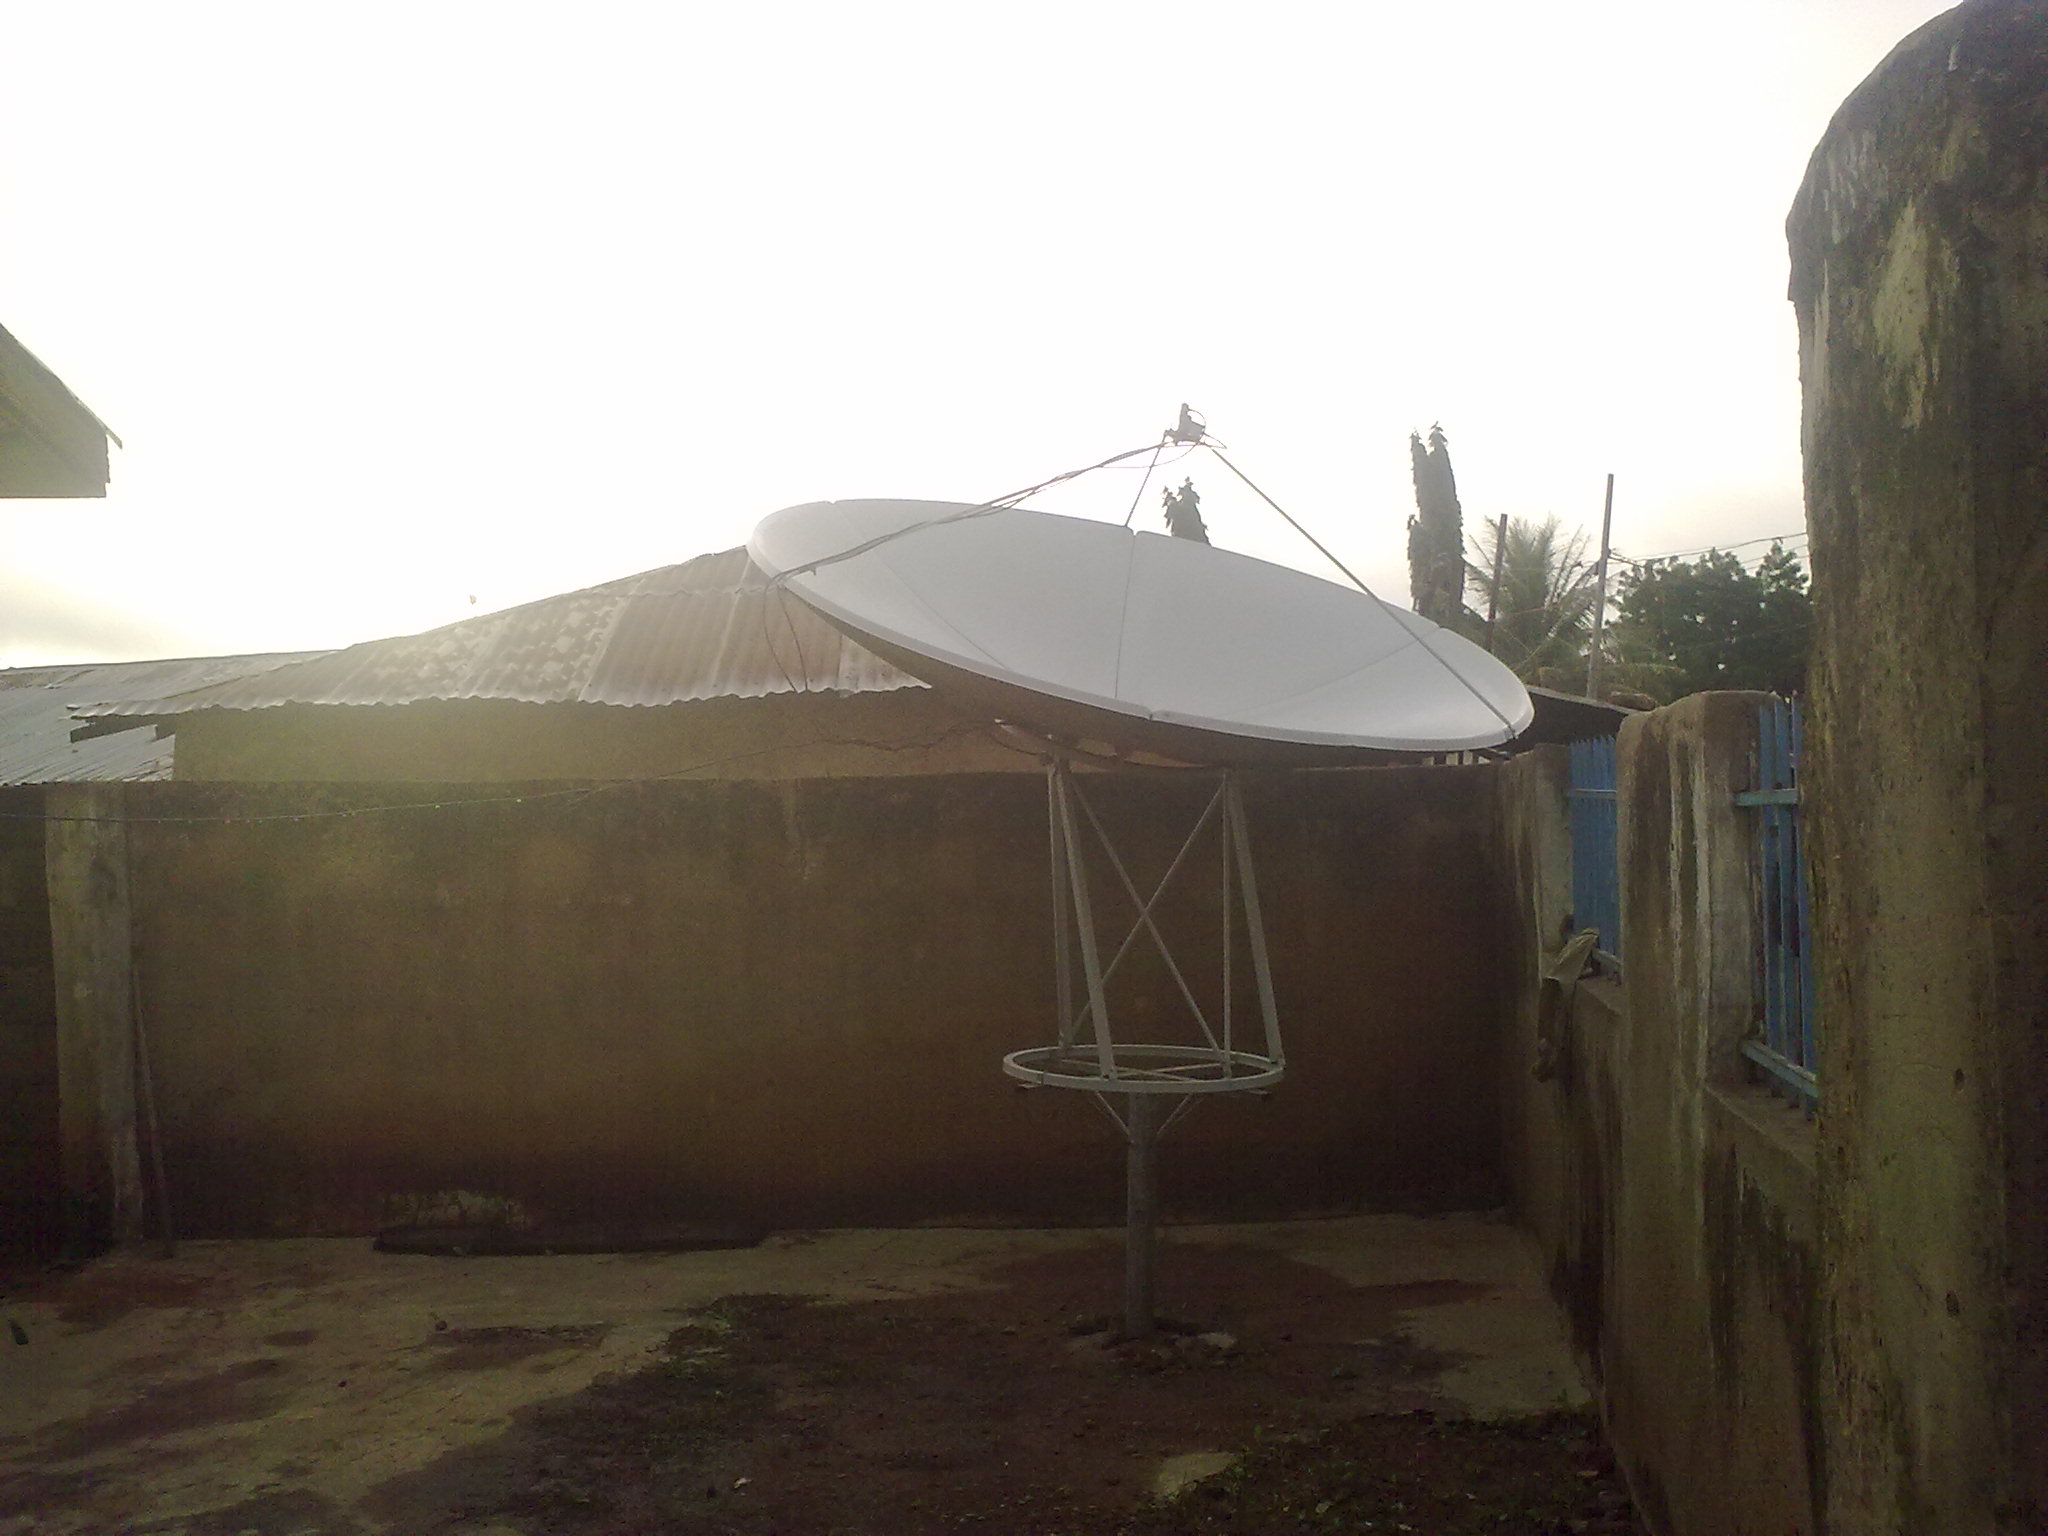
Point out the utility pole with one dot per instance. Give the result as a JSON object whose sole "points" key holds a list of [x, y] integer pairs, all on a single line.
{"points": [[1600, 602], [1500, 551]]}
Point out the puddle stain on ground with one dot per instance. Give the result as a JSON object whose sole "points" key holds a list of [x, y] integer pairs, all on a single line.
{"points": [[157, 1362], [234, 1394], [280, 1513], [92, 1300], [100, 1496], [493, 1349]]}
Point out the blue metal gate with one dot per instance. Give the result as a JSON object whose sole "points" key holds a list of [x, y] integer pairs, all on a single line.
{"points": [[1596, 862], [1783, 1047]]}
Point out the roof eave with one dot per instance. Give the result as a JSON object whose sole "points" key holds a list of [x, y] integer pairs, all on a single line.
{"points": [[51, 445]]}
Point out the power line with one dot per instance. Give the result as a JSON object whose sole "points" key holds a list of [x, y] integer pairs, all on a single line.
{"points": [[1726, 641], [1749, 565], [1708, 549]]}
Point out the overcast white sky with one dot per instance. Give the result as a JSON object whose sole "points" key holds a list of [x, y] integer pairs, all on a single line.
{"points": [[400, 305]]}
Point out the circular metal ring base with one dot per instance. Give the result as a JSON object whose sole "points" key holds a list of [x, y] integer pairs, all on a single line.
{"points": [[1178, 1069]]}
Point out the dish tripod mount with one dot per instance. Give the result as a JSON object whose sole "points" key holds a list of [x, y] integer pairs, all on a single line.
{"points": [[1146, 1088]]}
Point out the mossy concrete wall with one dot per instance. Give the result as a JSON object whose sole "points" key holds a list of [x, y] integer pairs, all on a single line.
{"points": [[779, 1003], [1920, 275], [1672, 1196], [474, 741]]}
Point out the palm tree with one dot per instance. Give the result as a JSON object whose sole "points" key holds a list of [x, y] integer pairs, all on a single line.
{"points": [[1543, 612]]}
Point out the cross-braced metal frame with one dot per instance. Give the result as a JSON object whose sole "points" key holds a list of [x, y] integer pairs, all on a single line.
{"points": [[1089, 1057]]}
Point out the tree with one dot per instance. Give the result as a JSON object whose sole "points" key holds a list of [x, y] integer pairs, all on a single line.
{"points": [[1436, 533], [1184, 513], [1543, 612], [1694, 625]]}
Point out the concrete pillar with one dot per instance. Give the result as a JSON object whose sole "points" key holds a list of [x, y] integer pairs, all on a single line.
{"points": [[1920, 275], [86, 864], [1702, 1263]]}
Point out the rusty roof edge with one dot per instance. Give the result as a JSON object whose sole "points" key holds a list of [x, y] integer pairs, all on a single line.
{"points": [[117, 708], [131, 715], [151, 708], [167, 705]]}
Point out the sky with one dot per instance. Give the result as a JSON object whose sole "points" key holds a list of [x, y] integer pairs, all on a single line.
{"points": [[406, 312]]}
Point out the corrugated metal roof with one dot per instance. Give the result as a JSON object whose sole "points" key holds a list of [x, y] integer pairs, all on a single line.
{"points": [[36, 715], [1565, 717], [711, 628]]}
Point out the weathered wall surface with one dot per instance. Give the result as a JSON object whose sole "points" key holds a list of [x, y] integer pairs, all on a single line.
{"points": [[1673, 1198], [473, 741], [1920, 274], [86, 863], [778, 1003], [30, 1184]]}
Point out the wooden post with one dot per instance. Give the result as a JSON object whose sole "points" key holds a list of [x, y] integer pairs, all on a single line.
{"points": [[86, 862], [1141, 1211]]}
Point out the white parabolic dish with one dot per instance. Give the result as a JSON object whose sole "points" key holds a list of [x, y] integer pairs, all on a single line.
{"points": [[1138, 639]]}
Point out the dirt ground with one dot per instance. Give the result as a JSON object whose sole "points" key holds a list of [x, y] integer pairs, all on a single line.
{"points": [[1380, 1374]]}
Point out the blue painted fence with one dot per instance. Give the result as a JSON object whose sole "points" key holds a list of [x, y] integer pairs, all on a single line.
{"points": [[1596, 862], [1783, 1048]]}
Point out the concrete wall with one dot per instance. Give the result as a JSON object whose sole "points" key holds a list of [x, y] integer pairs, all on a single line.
{"points": [[778, 1003], [1672, 1196], [86, 861], [30, 1185], [1920, 274], [469, 741]]}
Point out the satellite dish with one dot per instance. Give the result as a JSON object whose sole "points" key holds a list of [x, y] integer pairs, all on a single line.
{"points": [[1147, 642], [1154, 644]]}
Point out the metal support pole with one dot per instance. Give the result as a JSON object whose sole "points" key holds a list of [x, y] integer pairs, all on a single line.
{"points": [[1254, 920], [1062, 918], [1229, 921], [1084, 920], [1600, 602], [1141, 1211], [1500, 555]]}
